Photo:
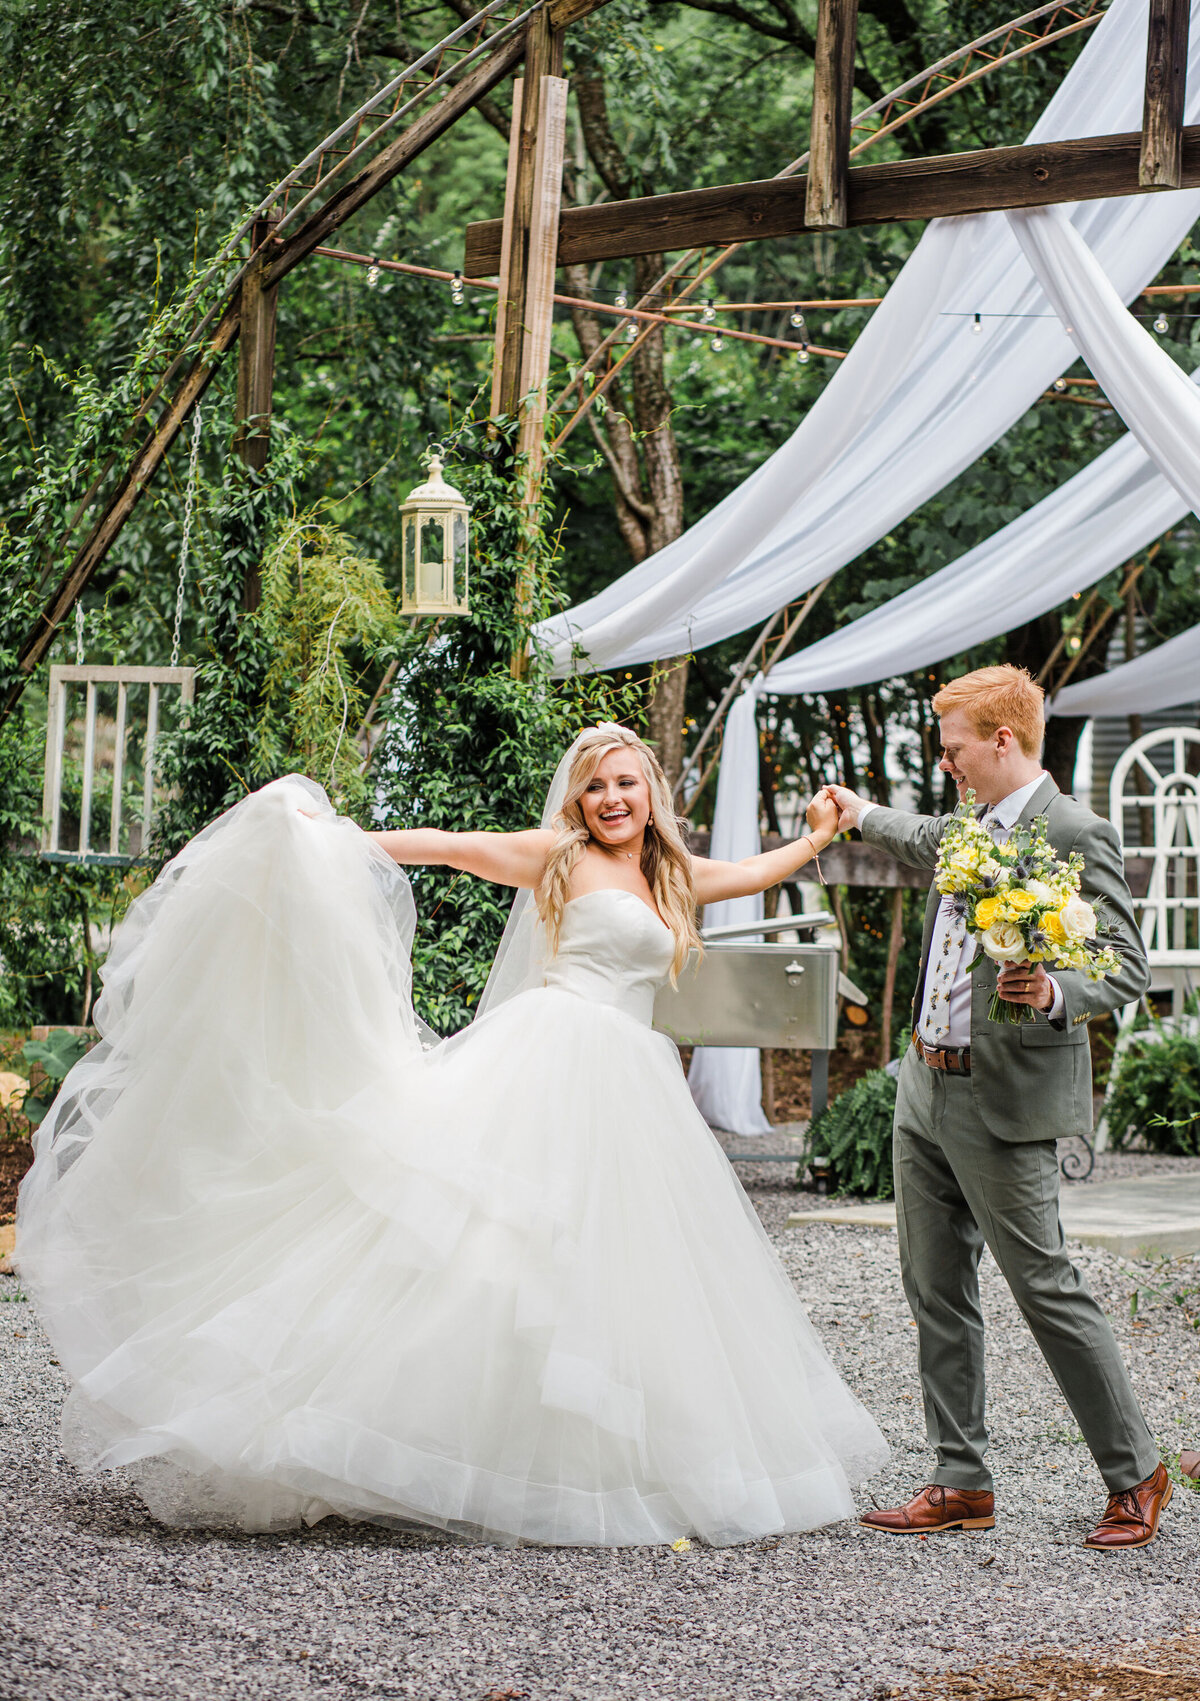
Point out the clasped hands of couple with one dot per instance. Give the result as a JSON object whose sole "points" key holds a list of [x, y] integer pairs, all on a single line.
{"points": [[1017, 983]]}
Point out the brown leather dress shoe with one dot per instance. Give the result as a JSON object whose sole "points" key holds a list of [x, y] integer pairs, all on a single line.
{"points": [[1131, 1517], [936, 1508], [1189, 1464]]}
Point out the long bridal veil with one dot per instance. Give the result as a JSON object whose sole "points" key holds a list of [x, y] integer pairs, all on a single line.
{"points": [[520, 960]]}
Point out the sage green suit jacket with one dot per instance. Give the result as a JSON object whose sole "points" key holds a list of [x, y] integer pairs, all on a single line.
{"points": [[1032, 1080]]}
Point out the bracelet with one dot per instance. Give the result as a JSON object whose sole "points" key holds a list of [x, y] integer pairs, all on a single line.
{"points": [[816, 856]]}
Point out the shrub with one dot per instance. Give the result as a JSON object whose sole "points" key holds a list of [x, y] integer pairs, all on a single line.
{"points": [[854, 1135], [1155, 1093]]}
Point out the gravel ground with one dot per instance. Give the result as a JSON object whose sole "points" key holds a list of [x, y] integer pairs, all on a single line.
{"points": [[98, 1602]]}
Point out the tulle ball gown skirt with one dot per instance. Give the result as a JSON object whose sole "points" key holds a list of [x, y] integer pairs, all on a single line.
{"points": [[297, 1263]]}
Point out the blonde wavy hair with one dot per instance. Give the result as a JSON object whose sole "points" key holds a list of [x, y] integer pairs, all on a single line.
{"points": [[666, 862]]}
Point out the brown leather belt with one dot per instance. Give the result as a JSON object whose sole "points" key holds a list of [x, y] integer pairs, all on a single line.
{"points": [[952, 1061]]}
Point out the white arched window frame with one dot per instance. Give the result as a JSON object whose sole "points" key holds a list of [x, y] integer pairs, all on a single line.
{"points": [[1154, 803]]}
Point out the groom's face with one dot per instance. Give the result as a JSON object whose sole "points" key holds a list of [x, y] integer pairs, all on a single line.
{"points": [[973, 760]]}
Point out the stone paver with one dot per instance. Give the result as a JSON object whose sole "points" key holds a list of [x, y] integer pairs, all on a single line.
{"points": [[1146, 1217]]}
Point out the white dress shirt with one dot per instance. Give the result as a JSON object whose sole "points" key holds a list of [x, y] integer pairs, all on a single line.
{"points": [[1001, 818]]}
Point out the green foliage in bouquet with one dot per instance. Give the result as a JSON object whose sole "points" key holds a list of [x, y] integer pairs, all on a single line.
{"points": [[1155, 1094], [854, 1136]]}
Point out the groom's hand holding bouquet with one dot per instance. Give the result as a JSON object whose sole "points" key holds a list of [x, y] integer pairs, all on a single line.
{"points": [[1022, 905]]}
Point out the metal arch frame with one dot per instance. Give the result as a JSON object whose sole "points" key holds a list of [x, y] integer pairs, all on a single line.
{"points": [[315, 160], [213, 331], [934, 86]]}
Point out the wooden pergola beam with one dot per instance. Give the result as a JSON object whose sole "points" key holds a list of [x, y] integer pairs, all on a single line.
{"points": [[1161, 163], [988, 180], [832, 110]]}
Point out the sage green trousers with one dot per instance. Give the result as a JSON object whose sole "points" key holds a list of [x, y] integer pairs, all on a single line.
{"points": [[958, 1188]]}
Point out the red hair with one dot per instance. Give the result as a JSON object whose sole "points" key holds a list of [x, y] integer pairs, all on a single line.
{"points": [[993, 697]]}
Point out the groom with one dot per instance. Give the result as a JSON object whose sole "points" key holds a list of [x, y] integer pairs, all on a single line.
{"points": [[979, 1107]]}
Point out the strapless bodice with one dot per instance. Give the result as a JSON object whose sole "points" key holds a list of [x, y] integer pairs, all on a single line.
{"points": [[612, 950]]}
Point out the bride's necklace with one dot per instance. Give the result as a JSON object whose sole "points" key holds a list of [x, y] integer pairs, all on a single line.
{"points": [[609, 852]]}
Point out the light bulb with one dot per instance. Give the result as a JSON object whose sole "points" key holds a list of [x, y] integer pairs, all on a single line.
{"points": [[456, 289], [1161, 325], [977, 327], [796, 319], [717, 344], [621, 299], [631, 332], [372, 276], [1060, 385], [710, 311], [803, 355]]}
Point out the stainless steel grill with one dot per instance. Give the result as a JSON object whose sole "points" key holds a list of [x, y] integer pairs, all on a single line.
{"points": [[781, 997]]}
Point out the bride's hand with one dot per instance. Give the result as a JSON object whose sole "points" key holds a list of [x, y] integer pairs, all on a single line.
{"points": [[822, 815]]}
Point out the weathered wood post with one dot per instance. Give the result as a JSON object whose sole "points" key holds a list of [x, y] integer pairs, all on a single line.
{"points": [[529, 245], [1161, 163], [833, 95], [256, 374]]}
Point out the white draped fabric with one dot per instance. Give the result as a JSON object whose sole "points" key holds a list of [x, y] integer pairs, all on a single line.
{"points": [[1161, 406], [1160, 679], [726, 1082], [1115, 506], [916, 401]]}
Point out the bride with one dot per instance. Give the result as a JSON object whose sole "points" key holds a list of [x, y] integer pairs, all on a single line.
{"points": [[298, 1258]]}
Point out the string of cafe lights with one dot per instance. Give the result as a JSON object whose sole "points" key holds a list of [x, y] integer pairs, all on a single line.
{"points": [[619, 308], [718, 334]]}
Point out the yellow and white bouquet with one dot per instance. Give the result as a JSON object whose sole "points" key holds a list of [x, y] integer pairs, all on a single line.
{"points": [[1021, 902]]}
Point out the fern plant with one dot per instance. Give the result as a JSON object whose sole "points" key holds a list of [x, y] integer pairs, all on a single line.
{"points": [[320, 598], [854, 1136]]}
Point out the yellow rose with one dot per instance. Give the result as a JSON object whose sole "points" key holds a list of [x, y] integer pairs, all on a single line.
{"points": [[986, 911], [1052, 927], [1018, 903]]}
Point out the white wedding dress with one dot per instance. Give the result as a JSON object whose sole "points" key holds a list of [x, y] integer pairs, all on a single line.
{"points": [[296, 1263]]}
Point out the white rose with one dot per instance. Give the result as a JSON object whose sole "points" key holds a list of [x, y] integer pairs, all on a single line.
{"points": [[1042, 892], [1078, 918], [1004, 942]]}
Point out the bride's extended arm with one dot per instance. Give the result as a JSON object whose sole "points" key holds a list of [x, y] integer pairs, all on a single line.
{"points": [[715, 881], [511, 859]]}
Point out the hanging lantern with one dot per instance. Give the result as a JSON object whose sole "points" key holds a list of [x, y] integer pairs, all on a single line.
{"points": [[434, 529]]}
